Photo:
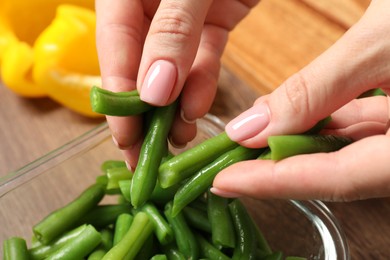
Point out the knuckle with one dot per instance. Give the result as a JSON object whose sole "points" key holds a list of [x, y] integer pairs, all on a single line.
{"points": [[173, 23], [296, 92]]}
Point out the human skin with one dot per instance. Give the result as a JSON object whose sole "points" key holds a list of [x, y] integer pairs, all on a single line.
{"points": [[164, 48], [329, 85]]}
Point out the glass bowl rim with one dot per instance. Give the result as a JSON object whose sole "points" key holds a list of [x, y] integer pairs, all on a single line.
{"points": [[328, 226]]}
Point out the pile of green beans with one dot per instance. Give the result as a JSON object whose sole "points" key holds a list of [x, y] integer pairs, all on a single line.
{"points": [[165, 209]]}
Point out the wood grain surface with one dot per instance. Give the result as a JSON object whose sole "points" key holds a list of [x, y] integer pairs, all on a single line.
{"points": [[275, 40]]}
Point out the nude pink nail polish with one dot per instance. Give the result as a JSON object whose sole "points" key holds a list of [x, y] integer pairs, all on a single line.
{"points": [[159, 83], [249, 123]]}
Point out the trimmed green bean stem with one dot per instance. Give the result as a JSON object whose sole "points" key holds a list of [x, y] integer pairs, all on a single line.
{"points": [[162, 229], [131, 243], [109, 164], [42, 251], [153, 149], [15, 248], [105, 245], [185, 238], [79, 247], [284, 146], [245, 235], [65, 218], [117, 174], [126, 103], [122, 225], [207, 250], [222, 227], [202, 180], [190, 161]]}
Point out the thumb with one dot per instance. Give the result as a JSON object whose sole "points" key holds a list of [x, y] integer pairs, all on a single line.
{"points": [[355, 63], [170, 49]]}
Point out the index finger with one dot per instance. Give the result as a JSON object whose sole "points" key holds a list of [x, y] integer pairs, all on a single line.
{"points": [[119, 42]]}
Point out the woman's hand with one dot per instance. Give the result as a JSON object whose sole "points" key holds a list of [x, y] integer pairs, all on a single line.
{"points": [[359, 61], [164, 49]]}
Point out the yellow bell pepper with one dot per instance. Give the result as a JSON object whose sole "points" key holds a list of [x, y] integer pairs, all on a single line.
{"points": [[47, 48]]}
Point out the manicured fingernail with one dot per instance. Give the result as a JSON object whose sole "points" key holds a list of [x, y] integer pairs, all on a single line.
{"points": [[249, 123], [226, 194], [185, 119], [159, 83]]}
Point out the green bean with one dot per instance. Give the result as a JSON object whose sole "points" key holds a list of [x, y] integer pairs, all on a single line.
{"points": [[124, 187], [262, 243], [202, 180], [109, 164], [122, 225], [295, 258], [172, 252], [15, 248], [284, 146], [189, 162], [159, 257], [197, 218], [185, 238], [161, 196], [153, 149], [148, 249], [162, 229], [222, 228], [207, 250], [245, 235], [105, 245], [125, 103], [42, 251], [103, 215], [117, 174], [131, 243], [65, 218], [79, 247]]}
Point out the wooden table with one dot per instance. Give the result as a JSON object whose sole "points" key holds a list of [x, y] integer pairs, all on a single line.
{"points": [[277, 39]]}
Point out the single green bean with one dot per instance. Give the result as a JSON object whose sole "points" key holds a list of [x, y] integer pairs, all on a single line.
{"points": [[15, 248], [103, 215], [197, 218], [284, 146], [162, 229], [42, 251], [117, 174], [153, 149], [222, 227], [185, 238], [125, 103], [79, 247], [187, 163], [104, 246], [131, 243], [122, 225], [245, 235], [65, 218], [207, 250], [109, 164], [202, 180]]}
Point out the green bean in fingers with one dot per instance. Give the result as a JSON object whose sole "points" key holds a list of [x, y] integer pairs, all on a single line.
{"points": [[65, 218], [202, 180], [283, 146], [15, 248], [126, 103], [190, 161], [153, 149]]}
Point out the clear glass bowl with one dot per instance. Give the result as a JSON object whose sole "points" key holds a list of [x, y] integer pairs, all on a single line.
{"points": [[301, 228]]}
